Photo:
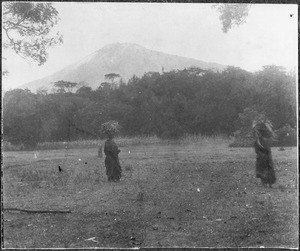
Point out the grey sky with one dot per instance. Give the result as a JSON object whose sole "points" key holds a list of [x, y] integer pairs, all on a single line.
{"points": [[269, 35]]}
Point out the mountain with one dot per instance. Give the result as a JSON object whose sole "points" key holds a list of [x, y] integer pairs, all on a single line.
{"points": [[124, 59]]}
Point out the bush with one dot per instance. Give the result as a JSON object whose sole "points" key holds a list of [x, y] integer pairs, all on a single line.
{"points": [[286, 136]]}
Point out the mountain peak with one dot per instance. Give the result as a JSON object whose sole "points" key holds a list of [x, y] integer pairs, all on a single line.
{"points": [[125, 59], [122, 45], [116, 48]]}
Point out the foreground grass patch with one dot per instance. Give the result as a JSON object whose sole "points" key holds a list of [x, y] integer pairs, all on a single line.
{"points": [[202, 194]]}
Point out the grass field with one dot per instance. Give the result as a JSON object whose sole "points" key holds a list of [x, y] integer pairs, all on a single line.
{"points": [[121, 141], [190, 194]]}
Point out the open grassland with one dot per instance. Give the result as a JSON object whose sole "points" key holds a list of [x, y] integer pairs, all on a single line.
{"points": [[121, 141], [184, 194]]}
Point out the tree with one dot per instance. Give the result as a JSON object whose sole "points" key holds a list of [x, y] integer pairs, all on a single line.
{"points": [[232, 14], [65, 86], [84, 91], [21, 122], [111, 76], [169, 105], [276, 95], [26, 28]]}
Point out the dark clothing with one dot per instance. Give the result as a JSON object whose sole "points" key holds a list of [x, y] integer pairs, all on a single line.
{"points": [[113, 168], [264, 163]]}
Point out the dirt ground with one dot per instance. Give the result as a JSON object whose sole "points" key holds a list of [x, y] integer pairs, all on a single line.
{"points": [[169, 196]]}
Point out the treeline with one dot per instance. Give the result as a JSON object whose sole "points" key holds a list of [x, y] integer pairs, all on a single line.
{"points": [[169, 105]]}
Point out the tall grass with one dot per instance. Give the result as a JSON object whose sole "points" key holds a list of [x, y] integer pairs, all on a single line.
{"points": [[203, 139], [121, 142], [79, 144], [7, 146]]}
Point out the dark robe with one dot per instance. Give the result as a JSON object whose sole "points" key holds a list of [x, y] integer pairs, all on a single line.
{"points": [[264, 163], [112, 164]]}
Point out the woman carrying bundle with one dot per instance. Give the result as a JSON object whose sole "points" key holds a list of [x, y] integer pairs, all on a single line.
{"points": [[112, 164], [264, 163]]}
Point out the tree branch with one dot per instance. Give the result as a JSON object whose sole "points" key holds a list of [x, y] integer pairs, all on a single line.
{"points": [[36, 211]]}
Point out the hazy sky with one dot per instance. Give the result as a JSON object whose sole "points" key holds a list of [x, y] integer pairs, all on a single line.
{"points": [[269, 35]]}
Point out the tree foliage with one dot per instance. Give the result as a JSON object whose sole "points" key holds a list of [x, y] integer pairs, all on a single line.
{"points": [[111, 76], [22, 122], [232, 15], [169, 105], [65, 86], [27, 29]]}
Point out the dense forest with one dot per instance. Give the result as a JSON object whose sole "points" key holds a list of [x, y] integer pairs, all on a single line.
{"points": [[168, 104]]}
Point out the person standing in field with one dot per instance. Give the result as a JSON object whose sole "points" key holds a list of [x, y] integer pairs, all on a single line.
{"points": [[112, 164], [264, 163]]}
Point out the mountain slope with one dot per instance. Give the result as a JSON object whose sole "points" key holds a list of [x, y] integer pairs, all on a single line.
{"points": [[122, 58]]}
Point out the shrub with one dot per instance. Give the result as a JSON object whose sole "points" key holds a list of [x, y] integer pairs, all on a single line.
{"points": [[286, 136], [244, 136]]}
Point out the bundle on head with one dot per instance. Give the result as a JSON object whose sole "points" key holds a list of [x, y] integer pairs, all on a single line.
{"points": [[110, 128], [263, 128]]}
